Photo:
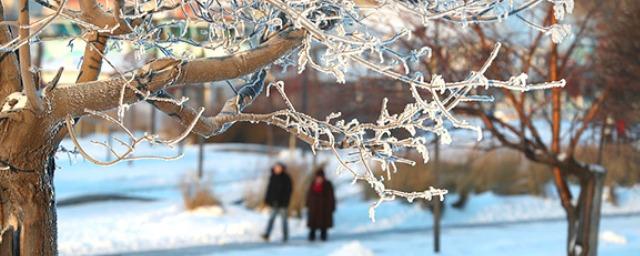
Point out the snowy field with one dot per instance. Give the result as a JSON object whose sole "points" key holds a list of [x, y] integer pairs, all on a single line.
{"points": [[159, 225]]}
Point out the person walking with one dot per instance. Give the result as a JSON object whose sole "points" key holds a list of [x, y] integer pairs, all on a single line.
{"points": [[321, 204], [278, 196]]}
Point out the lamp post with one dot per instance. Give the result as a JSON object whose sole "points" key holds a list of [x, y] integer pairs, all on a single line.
{"points": [[436, 207]]}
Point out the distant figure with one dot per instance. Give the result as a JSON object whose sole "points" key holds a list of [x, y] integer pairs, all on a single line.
{"points": [[278, 195], [621, 130], [321, 204]]}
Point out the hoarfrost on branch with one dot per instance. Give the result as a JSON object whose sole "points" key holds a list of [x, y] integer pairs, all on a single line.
{"points": [[347, 41]]}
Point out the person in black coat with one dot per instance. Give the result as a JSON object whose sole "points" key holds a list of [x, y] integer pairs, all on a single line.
{"points": [[278, 196], [321, 204]]}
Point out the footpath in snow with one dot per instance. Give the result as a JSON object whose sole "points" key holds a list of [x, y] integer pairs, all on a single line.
{"points": [[159, 225]]}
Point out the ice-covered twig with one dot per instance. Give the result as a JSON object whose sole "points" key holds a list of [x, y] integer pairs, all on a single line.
{"points": [[130, 147], [339, 39]]}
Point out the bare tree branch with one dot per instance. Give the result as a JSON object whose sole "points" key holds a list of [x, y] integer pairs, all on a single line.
{"points": [[519, 106], [92, 58], [210, 126], [165, 73], [106, 23], [92, 17], [588, 117], [524, 145], [578, 37], [28, 85], [119, 157], [339, 28], [9, 69]]}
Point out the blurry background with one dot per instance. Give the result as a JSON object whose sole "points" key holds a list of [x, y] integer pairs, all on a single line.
{"points": [[210, 200]]}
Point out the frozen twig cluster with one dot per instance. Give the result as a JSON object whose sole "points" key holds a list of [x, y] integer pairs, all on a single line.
{"points": [[351, 40], [130, 146], [338, 38]]}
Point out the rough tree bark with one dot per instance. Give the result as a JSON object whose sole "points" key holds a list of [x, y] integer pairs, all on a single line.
{"points": [[30, 135], [26, 192], [27, 213]]}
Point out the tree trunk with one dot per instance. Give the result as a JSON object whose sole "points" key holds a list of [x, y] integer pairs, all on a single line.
{"points": [[28, 212], [28, 141], [584, 218]]}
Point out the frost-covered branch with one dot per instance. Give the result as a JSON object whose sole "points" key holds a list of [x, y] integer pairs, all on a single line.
{"points": [[368, 142], [24, 56], [161, 74], [339, 38], [127, 155]]}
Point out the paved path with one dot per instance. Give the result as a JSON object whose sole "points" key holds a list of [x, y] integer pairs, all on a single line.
{"points": [[301, 241]]}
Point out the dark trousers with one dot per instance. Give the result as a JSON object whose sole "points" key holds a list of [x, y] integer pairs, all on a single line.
{"points": [[323, 234]]}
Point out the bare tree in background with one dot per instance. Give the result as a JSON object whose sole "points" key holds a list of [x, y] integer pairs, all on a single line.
{"points": [[587, 96], [253, 35], [617, 58]]}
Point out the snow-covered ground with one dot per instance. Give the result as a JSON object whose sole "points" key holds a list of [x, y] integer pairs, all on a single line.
{"points": [[490, 224], [518, 239]]}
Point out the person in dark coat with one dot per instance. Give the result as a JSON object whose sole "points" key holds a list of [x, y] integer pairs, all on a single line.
{"points": [[321, 204], [278, 196]]}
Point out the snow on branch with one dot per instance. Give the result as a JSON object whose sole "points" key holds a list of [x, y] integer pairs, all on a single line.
{"points": [[340, 39], [127, 155]]}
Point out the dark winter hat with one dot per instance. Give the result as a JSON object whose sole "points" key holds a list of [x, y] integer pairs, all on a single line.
{"points": [[320, 172]]}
